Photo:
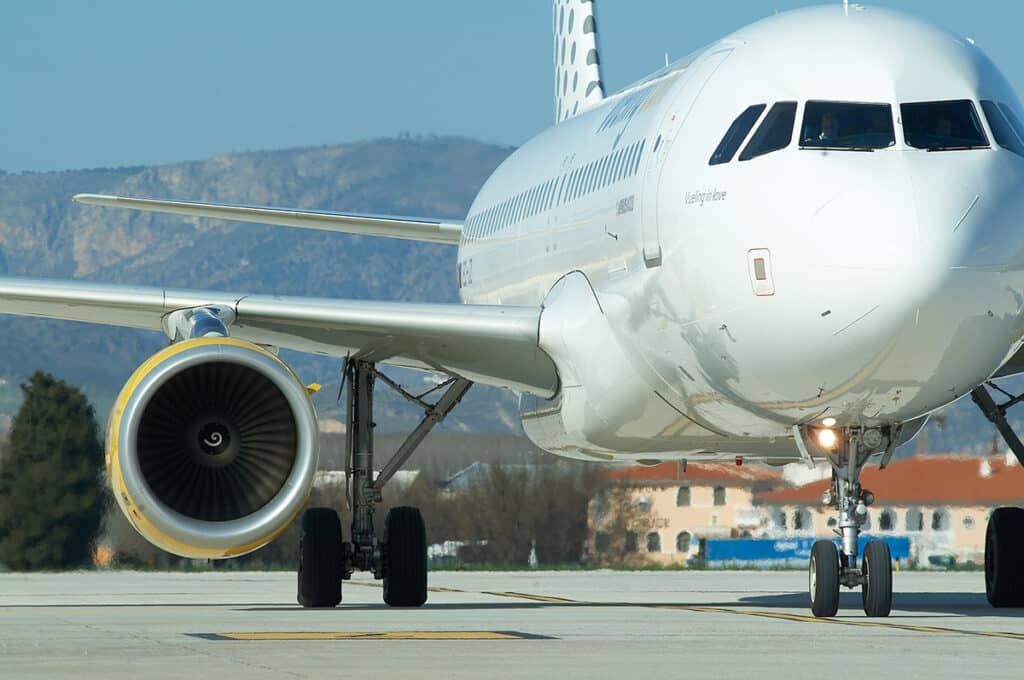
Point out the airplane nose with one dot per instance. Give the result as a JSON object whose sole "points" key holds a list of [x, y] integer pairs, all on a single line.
{"points": [[841, 293], [913, 285]]}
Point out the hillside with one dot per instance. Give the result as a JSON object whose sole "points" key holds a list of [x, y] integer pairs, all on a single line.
{"points": [[44, 234]]}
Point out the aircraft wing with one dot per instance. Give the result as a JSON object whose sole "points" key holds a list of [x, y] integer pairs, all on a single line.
{"points": [[409, 228], [494, 345]]}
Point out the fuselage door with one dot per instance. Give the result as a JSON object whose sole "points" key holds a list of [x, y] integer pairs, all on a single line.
{"points": [[685, 94]]}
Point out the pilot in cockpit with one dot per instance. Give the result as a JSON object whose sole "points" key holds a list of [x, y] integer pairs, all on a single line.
{"points": [[944, 128], [829, 126]]}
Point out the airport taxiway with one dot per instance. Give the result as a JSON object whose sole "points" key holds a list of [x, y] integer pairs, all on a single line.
{"points": [[519, 625]]}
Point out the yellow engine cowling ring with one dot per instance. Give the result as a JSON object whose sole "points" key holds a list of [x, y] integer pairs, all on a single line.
{"points": [[180, 531]]}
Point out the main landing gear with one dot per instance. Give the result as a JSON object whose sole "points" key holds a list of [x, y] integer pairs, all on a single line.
{"points": [[1004, 538], [400, 559], [831, 568]]}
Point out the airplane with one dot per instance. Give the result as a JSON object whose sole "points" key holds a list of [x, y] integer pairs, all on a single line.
{"points": [[793, 244]]}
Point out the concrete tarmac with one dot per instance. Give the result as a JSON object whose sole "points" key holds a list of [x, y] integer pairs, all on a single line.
{"points": [[598, 624]]}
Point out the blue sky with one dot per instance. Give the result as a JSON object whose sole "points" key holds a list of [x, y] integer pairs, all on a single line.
{"points": [[123, 82]]}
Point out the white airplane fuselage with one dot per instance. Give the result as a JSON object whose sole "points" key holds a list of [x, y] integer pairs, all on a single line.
{"points": [[887, 284]]}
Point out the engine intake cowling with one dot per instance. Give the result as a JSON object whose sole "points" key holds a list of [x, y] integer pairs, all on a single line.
{"points": [[211, 447]]}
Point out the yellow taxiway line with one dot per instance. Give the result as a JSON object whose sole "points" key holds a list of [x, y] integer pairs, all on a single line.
{"points": [[782, 616], [379, 635], [845, 622], [535, 598]]}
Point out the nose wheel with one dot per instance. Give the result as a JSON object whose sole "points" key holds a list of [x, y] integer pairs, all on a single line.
{"points": [[827, 572], [824, 579], [876, 575]]}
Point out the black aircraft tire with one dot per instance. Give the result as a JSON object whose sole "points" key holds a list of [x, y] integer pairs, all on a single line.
{"points": [[320, 555], [823, 579], [405, 570], [876, 592], [1004, 558]]}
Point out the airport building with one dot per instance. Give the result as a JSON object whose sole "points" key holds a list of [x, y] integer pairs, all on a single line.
{"points": [[940, 502], [666, 513], [660, 513]]}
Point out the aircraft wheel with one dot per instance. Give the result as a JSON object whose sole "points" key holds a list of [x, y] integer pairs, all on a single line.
{"points": [[824, 579], [876, 592], [405, 565], [320, 557], [1004, 558]]}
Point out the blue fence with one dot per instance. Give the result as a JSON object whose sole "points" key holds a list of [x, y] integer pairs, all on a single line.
{"points": [[784, 551]]}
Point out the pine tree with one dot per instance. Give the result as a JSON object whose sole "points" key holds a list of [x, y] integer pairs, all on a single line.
{"points": [[52, 495]]}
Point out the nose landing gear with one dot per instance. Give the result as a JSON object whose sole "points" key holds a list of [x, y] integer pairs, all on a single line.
{"points": [[831, 568]]}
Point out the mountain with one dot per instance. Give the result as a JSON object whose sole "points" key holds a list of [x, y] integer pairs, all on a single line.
{"points": [[44, 234]]}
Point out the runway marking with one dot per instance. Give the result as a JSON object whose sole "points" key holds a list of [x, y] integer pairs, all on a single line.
{"points": [[845, 622], [782, 616], [535, 598], [433, 589], [378, 635]]}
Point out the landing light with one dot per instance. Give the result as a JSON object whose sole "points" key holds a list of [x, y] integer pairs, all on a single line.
{"points": [[828, 422], [827, 438]]}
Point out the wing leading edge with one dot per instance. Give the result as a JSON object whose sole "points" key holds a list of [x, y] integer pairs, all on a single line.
{"points": [[409, 228], [494, 345]]}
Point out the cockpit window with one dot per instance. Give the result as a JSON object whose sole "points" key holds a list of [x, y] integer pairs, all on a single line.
{"points": [[846, 126], [943, 126], [776, 132], [1018, 127], [1002, 130], [735, 135]]}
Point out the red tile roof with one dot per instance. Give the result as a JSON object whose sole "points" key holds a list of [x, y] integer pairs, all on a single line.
{"points": [[727, 474], [930, 479]]}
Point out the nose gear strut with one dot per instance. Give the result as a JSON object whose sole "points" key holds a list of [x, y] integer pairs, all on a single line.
{"points": [[829, 568]]}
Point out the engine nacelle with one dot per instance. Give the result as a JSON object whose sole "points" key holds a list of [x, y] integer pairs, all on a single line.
{"points": [[211, 447]]}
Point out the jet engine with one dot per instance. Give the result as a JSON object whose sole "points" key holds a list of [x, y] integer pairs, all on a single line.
{"points": [[211, 447]]}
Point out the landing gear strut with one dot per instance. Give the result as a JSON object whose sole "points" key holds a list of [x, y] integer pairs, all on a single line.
{"points": [[401, 558], [829, 568], [1004, 538]]}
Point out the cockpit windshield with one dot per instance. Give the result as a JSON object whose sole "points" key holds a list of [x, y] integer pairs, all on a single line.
{"points": [[943, 126], [847, 127], [1005, 126]]}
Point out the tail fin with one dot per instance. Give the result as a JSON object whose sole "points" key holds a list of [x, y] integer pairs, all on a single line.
{"points": [[578, 85]]}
